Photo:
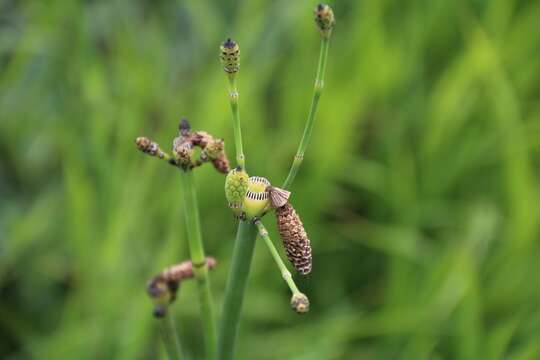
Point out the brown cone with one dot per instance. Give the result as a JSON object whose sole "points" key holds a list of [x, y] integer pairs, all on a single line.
{"points": [[200, 138], [164, 286], [221, 163], [294, 238], [183, 270]]}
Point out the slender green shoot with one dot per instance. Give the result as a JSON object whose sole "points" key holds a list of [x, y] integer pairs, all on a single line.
{"points": [[285, 273], [233, 97], [170, 338], [200, 268], [299, 301], [306, 137]]}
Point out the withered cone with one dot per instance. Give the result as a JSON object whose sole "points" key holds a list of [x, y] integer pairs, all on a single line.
{"points": [[221, 163], [295, 239], [278, 197]]}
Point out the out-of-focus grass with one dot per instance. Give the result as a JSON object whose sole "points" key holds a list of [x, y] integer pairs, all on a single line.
{"points": [[418, 190]]}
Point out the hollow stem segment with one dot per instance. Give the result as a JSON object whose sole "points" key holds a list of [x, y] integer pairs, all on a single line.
{"points": [[200, 267], [233, 98], [285, 273], [170, 338], [317, 91], [235, 289]]}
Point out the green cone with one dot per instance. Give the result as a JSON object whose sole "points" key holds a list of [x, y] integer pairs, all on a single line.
{"points": [[230, 56], [236, 186]]}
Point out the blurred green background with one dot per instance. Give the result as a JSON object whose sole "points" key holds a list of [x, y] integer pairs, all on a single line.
{"points": [[419, 189]]}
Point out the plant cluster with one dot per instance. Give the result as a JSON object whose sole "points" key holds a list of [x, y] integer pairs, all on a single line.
{"points": [[249, 198]]}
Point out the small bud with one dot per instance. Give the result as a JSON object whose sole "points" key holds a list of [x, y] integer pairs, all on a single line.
{"points": [[211, 262], [157, 289], [201, 138], [214, 148], [184, 127], [183, 151], [160, 294], [221, 163], [143, 143], [236, 186], [300, 303], [160, 311], [324, 18], [294, 237], [230, 56], [149, 147], [215, 152], [173, 289]]}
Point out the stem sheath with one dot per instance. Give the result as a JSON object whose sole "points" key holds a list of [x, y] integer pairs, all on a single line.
{"points": [[200, 267], [235, 289], [319, 84]]}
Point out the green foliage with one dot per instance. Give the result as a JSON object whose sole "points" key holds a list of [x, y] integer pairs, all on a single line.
{"points": [[419, 189]]}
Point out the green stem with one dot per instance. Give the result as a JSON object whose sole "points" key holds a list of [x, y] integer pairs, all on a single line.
{"points": [[242, 253], [170, 338], [233, 97], [200, 267], [234, 291], [319, 84], [165, 156], [285, 273]]}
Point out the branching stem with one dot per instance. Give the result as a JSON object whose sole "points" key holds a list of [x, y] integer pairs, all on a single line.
{"points": [[285, 273], [200, 267], [247, 232], [319, 85]]}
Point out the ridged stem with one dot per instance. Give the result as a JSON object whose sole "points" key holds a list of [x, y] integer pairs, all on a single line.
{"points": [[319, 85], [235, 289], [233, 98], [285, 273], [170, 338], [242, 252], [200, 268]]}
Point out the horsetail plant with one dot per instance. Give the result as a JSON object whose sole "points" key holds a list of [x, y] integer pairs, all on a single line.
{"points": [[163, 288], [325, 21], [249, 198], [252, 209]]}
